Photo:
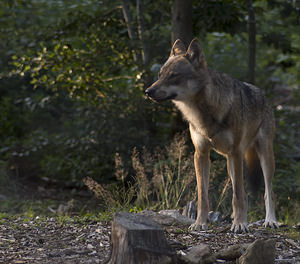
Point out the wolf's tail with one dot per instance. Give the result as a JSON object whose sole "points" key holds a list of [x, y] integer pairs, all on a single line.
{"points": [[253, 171]]}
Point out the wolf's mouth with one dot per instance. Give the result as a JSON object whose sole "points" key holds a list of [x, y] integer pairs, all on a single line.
{"points": [[171, 96], [161, 98], [158, 95]]}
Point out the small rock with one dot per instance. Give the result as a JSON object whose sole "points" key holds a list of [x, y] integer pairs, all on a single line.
{"points": [[90, 246], [160, 219], [259, 252], [177, 216], [282, 225], [3, 197], [214, 217], [292, 243], [200, 254], [176, 244], [168, 217], [257, 223], [190, 210], [232, 252]]}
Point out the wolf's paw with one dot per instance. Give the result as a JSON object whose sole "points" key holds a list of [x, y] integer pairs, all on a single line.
{"points": [[198, 227], [239, 228], [270, 223]]}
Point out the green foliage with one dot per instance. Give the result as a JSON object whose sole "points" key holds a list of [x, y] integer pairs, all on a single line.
{"points": [[219, 16], [71, 96], [287, 177], [223, 51], [84, 93]]}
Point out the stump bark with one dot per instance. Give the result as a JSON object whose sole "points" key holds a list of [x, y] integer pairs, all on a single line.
{"points": [[137, 239]]}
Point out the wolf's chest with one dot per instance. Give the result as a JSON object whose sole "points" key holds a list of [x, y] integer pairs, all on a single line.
{"points": [[202, 122], [204, 125]]}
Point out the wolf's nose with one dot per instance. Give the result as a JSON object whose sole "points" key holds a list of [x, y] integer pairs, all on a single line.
{"points": [[149, 92], [146, 92]]}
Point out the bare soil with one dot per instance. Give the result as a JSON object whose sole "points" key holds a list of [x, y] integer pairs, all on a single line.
{"points": [[54, 240], [56, 232]]}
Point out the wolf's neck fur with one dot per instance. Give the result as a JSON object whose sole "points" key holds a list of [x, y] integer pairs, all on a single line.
{"points": [[206, 110], [196, 112]]}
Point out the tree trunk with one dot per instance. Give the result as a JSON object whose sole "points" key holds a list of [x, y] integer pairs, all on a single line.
{"points": [[137, 239], [252, 41], [141, 31], [131, 32], [182, 28], [182, 24]]}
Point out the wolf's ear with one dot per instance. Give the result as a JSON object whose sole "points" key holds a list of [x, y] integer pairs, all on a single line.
{"points": [[178, 48], [195, 54]]}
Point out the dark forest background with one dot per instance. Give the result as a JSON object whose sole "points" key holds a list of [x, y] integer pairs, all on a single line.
{"points": [[73, 114]]}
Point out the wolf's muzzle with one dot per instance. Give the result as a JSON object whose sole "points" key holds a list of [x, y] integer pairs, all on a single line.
{"points": [[149, 92], [158, 95]]}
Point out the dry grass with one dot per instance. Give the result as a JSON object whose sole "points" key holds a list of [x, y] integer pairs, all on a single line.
{"points": [[161, 179]]}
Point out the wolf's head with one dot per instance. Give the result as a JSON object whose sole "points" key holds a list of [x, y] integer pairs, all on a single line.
{"points": [[182, 76]]}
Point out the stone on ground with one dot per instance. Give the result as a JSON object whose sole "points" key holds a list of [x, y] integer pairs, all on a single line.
{"points": [[259, 252]]}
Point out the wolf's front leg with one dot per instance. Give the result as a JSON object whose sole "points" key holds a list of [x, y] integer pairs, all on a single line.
{"points": [[202, 167], [239, 200]]}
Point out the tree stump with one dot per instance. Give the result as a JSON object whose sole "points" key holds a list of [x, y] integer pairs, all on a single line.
{"points": [[137, 239]]}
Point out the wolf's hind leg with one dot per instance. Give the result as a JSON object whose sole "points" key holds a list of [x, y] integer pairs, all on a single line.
{"points": [[266, 157]]}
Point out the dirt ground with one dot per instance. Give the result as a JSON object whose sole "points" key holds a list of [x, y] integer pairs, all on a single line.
{"points": [[45, 230], [46, 240], [55, 240]]}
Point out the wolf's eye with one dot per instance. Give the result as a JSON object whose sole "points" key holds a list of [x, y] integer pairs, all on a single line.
{"points": [[173, 76]]}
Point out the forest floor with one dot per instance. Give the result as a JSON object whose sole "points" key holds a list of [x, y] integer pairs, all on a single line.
{"points": [[50, 227], [71, 240]]}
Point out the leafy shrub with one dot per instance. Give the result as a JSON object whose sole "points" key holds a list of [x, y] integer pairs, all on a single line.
{"points": [[287, 174]]}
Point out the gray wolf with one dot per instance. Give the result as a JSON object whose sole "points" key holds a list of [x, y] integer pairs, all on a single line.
{"points": [[226, 115]]}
